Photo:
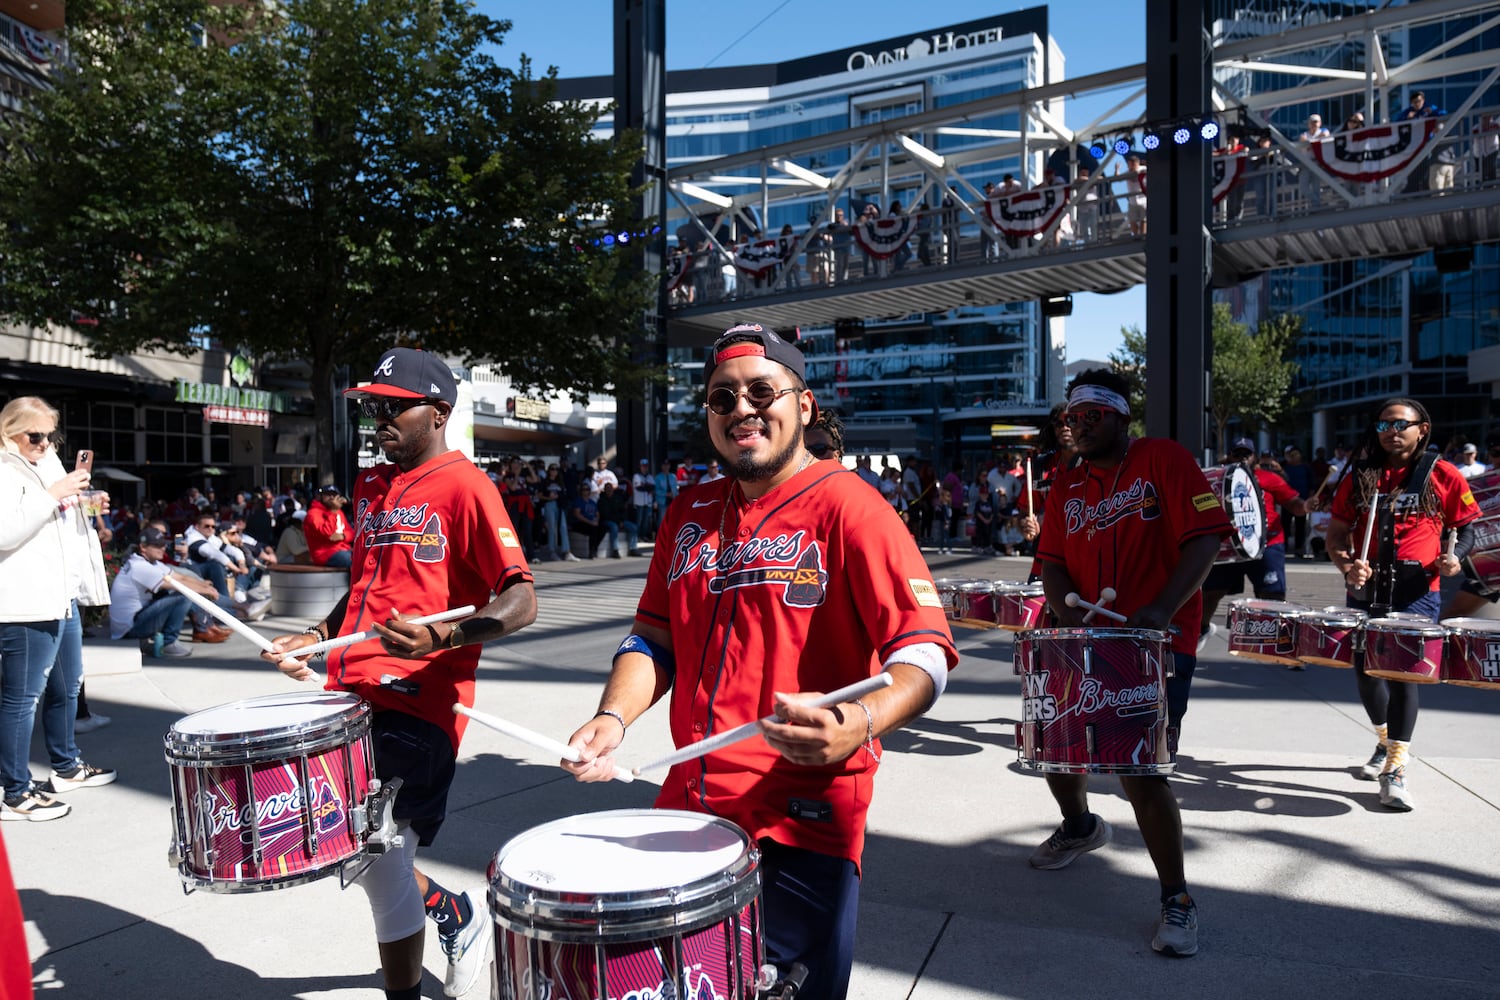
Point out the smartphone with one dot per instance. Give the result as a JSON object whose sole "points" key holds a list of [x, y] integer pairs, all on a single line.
{"points": [[85, 460]]}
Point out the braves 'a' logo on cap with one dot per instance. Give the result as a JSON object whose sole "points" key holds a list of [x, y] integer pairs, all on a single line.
{"points": [[387, 367]]}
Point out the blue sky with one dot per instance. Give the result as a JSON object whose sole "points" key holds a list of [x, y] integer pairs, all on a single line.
{"points": [[577, 36]]}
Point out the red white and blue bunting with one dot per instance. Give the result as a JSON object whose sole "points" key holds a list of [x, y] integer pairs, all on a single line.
{"points": [[1370, 154], [1027, 213], [1227, 173], [757, 258], [883, 237], [677, 269]]}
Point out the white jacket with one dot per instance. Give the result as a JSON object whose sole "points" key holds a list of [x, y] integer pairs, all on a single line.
{"points": [[34, 576]]}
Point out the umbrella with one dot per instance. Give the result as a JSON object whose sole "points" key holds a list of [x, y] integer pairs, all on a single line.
{"points": [[210, 470], [120, 475]]}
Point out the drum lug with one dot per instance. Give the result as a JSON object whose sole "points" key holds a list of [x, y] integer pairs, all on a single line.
{"points": [[374, 815], [1088, 739], [1088, 659]]}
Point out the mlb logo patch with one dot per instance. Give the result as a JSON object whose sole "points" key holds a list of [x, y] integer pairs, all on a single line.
{"points": [[508, 539]]}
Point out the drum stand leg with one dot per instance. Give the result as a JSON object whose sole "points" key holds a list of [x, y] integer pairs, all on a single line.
{"points": [[374, 816]]}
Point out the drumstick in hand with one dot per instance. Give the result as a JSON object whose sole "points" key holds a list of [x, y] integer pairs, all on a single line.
{"points": [[1105, 596], [1074, 601], [535, 739], [1030, 504], [1364, 549]]}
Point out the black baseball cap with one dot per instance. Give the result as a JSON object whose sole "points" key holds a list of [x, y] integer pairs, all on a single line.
{"points": [[405, 373], [754, 340], [328, 488], [154, 536], [1243, 444]]}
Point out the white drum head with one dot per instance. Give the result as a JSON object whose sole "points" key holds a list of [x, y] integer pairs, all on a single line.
{"points": [[621, 851], [1247, 514], [266, 714], [1472, 625]]}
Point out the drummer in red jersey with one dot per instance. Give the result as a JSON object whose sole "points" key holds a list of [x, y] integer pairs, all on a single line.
{"points": [[1267, 573], [790, 576], [1420, 496], [1138, 516], [429, 533]]}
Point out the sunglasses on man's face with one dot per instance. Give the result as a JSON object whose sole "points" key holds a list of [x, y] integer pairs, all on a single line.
{"points": [[760, 394], [820, 450], [1381, 426], [1088, 417], [389, 408]]}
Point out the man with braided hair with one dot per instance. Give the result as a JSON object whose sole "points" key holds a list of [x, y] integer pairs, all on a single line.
{"points": [[1414, 497], [786, 578]]}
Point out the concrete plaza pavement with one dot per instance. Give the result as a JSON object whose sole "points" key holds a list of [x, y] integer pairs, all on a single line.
{"points": [[1307, 887]]}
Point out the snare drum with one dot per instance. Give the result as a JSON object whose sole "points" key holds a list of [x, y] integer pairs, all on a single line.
{"points": [[1473, 655], [976, 604], [948, 590], [627, 903], [1019, 605], [1406, 649], [1330, 636], [270, 792], [1239, 491], [1094, 700], [1482, 564], [1264, 630]]}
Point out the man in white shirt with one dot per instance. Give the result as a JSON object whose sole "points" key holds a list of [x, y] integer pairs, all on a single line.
{"points": [[1469, 464], [142, 605], [602, 475], [643, 496], [712, 473], [1308, 181]]}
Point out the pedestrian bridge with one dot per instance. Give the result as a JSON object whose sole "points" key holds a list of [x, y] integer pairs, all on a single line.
{"points": [[1379, 187]]}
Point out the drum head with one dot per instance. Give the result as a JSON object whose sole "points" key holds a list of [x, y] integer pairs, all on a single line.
{"points": [[1406, 625], [269, 720], [1473, 626], [1246, 509]]}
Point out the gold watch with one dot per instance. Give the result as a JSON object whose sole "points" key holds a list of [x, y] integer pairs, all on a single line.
{"points": [[456, 637]]}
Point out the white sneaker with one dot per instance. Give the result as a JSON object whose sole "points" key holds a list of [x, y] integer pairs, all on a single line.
{"points": [[570, 557], [469, 946], [259, 592], [1213, 630], [255, 610]]}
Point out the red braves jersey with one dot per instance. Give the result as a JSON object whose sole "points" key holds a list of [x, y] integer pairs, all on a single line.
{"points": [[1418, 535], [817, 584], [434, 538], [1124, 527], [1274, 490], [320, 522]]}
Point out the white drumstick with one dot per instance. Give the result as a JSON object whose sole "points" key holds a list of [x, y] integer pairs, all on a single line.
{"points": [[1364, 550], [337, 642], [703, 747], [535, 739], [1105, 596], [1452, 541], [1030, 504], [222, 615], [1074, 601]]}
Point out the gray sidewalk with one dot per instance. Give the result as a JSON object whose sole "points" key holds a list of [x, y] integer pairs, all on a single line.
{"points": [[1306, 886]]}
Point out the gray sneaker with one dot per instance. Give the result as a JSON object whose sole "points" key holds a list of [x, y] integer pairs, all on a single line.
{"points": [[569, 557], [1177, 935], [1371, 768], [1059, 850], [176, 648], [1393, 793], [254, 611]]}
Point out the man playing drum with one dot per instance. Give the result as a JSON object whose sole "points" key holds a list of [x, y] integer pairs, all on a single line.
{"points": [[1137, 516], [429, 530], [1415, 496], [788, 576], [1268, 573]]}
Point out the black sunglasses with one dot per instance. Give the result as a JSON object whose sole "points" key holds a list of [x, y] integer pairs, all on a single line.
{"points": [[1381, 426], [820, 450], [389, 408], [37, 437], [760, 393]]}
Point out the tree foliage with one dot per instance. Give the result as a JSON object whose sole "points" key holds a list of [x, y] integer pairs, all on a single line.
{"points": [[321, 180], [1129, 362], [1252, 372]]}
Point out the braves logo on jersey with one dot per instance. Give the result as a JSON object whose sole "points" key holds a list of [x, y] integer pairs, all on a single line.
{"points": [[410, 526], [788, 561], [1140, 499]]}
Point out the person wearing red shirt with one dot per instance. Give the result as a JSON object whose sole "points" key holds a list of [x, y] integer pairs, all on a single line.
{"points": [[327, 529], [1416, 496], [1136, 515], [786, 578], [429, 533], [1268, 573]]}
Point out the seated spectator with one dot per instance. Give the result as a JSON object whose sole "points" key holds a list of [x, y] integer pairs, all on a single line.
{"points": [[220, 565], [291, 547], [142, 605], [327, 531], [257, 556], [617, 511], [585, 516]]}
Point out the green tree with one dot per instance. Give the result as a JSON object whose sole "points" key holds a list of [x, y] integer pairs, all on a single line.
{"points": [[1252, 373], [1129, 362], [346, 175]]}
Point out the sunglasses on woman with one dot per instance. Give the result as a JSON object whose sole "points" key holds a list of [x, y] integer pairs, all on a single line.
{"points": [[1381, 426], [760, 394], [37, 437]]}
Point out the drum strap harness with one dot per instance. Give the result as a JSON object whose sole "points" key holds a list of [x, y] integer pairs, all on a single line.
{"points": [[1397, 582]]}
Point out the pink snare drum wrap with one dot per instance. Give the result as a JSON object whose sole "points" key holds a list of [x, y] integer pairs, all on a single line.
{"points": [[948, 593], [268, 792], [1472, 658], [1019, 605], [976, 604], [1093, 701], [1482, 564], [1400, 649], [1330, 636], [1264, 630]]}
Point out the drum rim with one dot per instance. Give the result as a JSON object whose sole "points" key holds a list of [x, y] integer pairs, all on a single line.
{"points": [[629, 915], [1236, 543], [1453, 629], [1405, 626], [248, 746], [1080, 631], [1050, 767]]}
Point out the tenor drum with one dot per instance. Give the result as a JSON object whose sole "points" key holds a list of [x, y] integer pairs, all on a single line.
{"points": [[1264, 630], [976, 604], [1239, 491], [1406, 649], [948, 590], [271, 792], [1020, 605], [1472, 658], [1094, 701], [1330, 636], [627, 903], [1482, 564]]}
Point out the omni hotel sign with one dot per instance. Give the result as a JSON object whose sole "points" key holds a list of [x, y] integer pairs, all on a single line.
{"points": [[894, 51], [230, 405], [921, 48]]}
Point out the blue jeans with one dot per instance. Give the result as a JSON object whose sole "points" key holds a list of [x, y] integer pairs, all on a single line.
{"points": [[162, 615], [60, 699], [557, 529], [342, 559], [614, 534], [27, 650]]}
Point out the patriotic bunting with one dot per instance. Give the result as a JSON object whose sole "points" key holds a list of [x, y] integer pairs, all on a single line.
{"points": [[757, 258], [1370, 154], [1027, 213], [883, 237], [1227, 173]]}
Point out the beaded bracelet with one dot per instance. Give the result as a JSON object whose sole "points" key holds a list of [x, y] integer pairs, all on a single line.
{"points": [[869, 731], [616, 716]]}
